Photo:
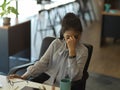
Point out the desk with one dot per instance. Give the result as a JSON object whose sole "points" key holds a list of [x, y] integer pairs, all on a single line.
{"points": [[21, 83], [110, 26], [14, 40]]}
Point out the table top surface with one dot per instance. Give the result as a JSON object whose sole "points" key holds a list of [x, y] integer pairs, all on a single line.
{"points": [[18, 84], [112, 13]]}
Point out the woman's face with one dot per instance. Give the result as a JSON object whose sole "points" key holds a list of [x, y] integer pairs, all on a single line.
{"points": [[72, 33]]}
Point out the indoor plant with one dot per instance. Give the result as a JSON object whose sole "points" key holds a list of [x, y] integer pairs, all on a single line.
{"points": [[5, 10]]}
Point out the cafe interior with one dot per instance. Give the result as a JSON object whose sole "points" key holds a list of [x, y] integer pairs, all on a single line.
{"points": [[21, 40]]}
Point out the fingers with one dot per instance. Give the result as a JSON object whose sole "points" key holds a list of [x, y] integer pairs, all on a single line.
{"points": [[72, 38], [12, 76]]}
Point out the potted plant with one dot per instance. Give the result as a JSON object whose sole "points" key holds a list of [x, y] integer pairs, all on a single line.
{"points": [[5, 10]]}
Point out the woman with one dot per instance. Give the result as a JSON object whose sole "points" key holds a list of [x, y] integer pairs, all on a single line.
{"points": [[65, 56]]}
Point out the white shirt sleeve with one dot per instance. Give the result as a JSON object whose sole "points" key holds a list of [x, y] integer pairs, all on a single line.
{"points": [[41, 65], [76, 65]]}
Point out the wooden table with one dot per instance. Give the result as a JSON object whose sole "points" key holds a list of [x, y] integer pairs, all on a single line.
{"points": [[14, 40], [112, 13], [19, 84]]}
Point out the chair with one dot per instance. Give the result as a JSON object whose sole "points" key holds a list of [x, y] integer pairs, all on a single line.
{"points": [[77, 85]]}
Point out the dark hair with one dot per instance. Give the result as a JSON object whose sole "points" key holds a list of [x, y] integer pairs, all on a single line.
{"points": [[70, 20]]}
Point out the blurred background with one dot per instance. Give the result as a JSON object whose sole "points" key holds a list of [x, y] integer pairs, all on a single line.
{"points": [[100, 20]]}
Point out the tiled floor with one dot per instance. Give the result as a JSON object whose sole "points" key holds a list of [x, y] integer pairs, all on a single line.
{"points": [[102, 82]]}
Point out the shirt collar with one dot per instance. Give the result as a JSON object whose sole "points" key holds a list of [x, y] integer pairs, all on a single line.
{"points": [[63, 47]]}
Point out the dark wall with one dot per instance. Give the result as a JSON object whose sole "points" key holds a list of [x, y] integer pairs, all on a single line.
{"points": [[115, 4]]}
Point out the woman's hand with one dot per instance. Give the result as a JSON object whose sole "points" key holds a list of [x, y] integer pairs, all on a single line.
{"points": [[71, 44], [12, 76]]}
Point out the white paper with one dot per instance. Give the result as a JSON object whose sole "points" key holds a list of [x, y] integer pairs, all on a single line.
{"points": [[0, 84]]}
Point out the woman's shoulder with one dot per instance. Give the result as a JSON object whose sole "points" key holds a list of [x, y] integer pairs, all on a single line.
{"points": [[82, 47], [57, 41]]}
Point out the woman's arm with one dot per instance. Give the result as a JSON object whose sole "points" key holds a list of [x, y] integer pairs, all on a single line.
{"points": [[76, 60], [76, 64], [41, 65]]}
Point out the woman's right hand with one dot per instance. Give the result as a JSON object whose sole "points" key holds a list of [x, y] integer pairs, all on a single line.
{"points": [[71, 43]]}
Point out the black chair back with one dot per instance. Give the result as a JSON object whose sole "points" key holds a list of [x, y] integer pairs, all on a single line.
{"points": [[45, 44], [90, 50]]}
